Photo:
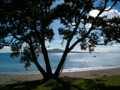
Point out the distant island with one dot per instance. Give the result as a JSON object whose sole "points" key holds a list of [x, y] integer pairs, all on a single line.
{"points": [[56, 50]]}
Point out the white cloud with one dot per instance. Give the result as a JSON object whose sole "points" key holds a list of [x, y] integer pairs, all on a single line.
{"points": [[109, 14], [94, 13]]}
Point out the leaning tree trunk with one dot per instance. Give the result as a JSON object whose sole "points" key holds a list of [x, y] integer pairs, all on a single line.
{"points": [[60, 65], [35, 61], [47, 62], [42, 71], [45, 53]]}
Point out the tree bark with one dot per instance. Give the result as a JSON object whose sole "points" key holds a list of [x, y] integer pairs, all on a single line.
{"points": [[42, 71], [44, 52], [46, 58], [34, 58], [57, 72]]}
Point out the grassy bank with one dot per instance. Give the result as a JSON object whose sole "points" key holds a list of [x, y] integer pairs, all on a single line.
{"points": [[103, 83]]}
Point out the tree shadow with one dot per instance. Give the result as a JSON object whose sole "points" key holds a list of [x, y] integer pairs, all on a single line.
{"points": [[61, 84], [26, 85]]}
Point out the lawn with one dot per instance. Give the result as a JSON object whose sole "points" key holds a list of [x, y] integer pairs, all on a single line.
{"points": [[103, 83]]}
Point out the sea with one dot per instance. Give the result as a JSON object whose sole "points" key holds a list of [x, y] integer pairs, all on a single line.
{"points": [[80, 61]]}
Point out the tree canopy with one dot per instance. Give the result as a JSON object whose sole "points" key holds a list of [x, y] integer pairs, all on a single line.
{"points": [[27, 24]]}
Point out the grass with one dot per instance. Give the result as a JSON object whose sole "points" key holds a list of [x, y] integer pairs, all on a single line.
{"points": [[103, 83], [113, 80]]}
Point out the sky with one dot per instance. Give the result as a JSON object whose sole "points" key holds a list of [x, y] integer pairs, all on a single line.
{"points": [[56, 42]]}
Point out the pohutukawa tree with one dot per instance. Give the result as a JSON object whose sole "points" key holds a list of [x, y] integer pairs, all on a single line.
{"points": [[27, 25]]}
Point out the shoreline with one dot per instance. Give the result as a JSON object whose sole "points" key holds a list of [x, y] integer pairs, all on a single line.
{"points": [[92, 73], [15, 78], [64, 70]]}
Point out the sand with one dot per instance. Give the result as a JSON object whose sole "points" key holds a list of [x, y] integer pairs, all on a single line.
{"points": [[9, 79], [92, 73]]}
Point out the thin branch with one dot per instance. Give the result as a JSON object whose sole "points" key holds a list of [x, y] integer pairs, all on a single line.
{"points": [[77, 41], [20, 39], [114, 3], [74, 31]]}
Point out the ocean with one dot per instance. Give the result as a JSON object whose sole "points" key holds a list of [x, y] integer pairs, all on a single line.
{"points": [[75, 62]]}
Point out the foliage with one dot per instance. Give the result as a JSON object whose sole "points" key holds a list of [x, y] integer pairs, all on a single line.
{"points": [[27, 24]]}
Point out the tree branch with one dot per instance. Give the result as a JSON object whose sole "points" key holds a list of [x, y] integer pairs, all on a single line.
{"points": [[76, 42], [114, 3], [66, 51], [86, 35]]}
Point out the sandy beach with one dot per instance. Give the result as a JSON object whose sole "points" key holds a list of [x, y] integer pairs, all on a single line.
{"points": [[92, 73], [8, 79]]}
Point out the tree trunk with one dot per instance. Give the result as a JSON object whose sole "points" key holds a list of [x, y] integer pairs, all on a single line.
{"points": [[46, 58], [44, 52], [34, 58], [42, 71], [60, 65]]}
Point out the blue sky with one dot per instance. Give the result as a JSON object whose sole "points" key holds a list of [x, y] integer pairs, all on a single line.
{"points": [[117, 7]]}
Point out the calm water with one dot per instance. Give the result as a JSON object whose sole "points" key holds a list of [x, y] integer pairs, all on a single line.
{"points": [[75, 61]]}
